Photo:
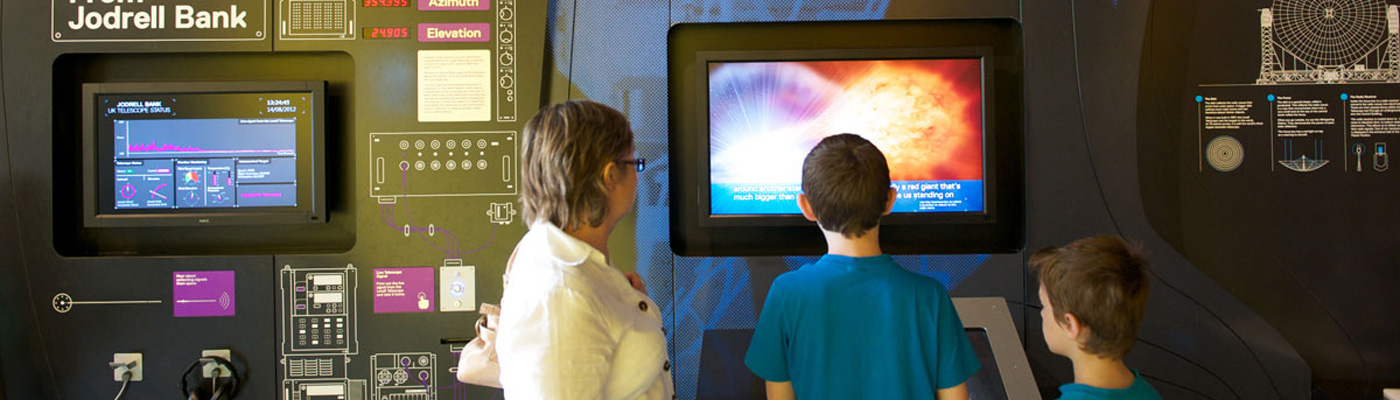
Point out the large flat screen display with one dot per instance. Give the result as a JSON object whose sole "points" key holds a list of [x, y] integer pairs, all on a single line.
{"points": [[940, 98], [925, 115], [187, 154]]}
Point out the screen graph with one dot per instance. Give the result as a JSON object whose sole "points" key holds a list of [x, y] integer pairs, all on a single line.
{"points": [[222, 137]]}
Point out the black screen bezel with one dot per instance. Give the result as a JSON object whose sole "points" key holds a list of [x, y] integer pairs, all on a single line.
{"points": [[690, 235], [98, 208]]}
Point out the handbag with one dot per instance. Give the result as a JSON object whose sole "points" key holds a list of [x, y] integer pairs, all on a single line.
{"points": [[478, 364]]}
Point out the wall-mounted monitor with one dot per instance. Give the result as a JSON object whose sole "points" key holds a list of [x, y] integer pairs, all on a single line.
{"points": [[941, 99], [203, 153]]}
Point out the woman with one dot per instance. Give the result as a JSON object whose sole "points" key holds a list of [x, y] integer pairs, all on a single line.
{"points": [[573, 326]]}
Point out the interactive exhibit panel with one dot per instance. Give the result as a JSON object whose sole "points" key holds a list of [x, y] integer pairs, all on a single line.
{"points": [[288, 199], [941, 99], [311, 197]]}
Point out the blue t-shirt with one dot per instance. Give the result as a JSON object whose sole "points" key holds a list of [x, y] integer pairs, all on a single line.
{"points": [[860, 328], [1139, 390]]}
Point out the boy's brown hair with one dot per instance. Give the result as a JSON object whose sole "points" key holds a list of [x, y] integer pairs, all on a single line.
{"points": [[1102, 281], [847, 182]]}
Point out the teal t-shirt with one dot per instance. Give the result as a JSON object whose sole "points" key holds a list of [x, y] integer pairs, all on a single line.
{"points": [[1139, 390], [860, 328]]}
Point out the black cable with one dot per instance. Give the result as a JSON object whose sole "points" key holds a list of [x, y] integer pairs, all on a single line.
{"points": [[126, 379], [217, 389], [1165, 122], [1084, 122]]}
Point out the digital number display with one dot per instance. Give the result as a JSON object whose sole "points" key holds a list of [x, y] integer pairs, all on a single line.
{"points": [[387, 33], [386, 3]]}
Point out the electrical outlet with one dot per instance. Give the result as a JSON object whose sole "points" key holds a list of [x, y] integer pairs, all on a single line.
{"points": [[209, 367], [121, 360]]}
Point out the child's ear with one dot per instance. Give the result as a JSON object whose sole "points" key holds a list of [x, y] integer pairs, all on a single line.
{"points": [[806, 207], [889, 203], [1073, 328]]}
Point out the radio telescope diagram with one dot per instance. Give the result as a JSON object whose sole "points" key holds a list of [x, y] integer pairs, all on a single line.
{"points": [[1225, 153], [1329, 41]]}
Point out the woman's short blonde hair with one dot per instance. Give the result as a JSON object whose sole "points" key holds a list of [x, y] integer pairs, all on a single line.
{"points": [[566, 147]]}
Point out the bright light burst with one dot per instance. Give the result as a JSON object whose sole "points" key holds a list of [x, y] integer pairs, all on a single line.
{"points": [[925, 115]]}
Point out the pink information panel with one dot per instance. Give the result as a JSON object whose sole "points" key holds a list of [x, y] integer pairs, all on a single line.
{"points": [[403, 290], [204, 293]]}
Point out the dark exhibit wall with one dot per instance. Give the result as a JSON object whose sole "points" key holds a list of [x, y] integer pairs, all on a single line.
{"points": [[1263, 136], [1269, 235]]}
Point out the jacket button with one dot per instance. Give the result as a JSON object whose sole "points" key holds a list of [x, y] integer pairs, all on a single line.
{"points": [[642, 305], [666, 366]]}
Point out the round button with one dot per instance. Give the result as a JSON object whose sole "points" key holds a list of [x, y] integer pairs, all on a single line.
{"points": [[403, 145], [451, 144], [418, 165], [481, 143], [418, 144], [436, 165], [466, 144], [466, 165], [451, 164], [480, 164], [642, 305], [436, 144]]}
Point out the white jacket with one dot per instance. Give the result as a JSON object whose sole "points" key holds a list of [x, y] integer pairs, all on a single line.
{"points": [[572, 327]]}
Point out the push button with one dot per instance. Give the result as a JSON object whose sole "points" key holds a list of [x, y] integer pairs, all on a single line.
{"points": [[642, 305]]}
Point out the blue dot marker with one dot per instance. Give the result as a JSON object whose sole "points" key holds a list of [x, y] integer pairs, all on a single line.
{"points": [[1344, 97], [1200, 99], [1271, 97]]}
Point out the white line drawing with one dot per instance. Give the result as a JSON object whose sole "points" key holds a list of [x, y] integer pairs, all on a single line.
{"points": [[404, 376], [1333, 41], [1225, 153], [319, 333], [316, 19], [63, 303], [1303, 163], [1380, 159], [320, 307], [224, 301], [401, 170], [501, 213], [506, 110]]}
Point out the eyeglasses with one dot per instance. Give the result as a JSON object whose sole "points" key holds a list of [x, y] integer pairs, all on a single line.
{"points": [[640, 162]]}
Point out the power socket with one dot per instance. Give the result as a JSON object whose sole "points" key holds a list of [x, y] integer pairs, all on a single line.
{"points": [[209, 367], [120, 362]]}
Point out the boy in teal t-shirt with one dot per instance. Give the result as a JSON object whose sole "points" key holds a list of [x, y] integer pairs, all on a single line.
{"points": [[1094, 294], [855, 325]]}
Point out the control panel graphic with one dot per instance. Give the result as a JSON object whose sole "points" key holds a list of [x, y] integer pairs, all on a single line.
{"points": [[506, 109], [431, 164], [321, 310], [316, 19], [319, 333], [404, 376]]}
